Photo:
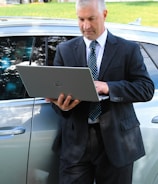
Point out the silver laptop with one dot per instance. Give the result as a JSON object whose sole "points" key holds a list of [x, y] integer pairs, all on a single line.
{"points": [[50, 81]]}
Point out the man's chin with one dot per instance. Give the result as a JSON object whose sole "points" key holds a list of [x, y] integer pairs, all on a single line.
{"points": [[89, 36]]}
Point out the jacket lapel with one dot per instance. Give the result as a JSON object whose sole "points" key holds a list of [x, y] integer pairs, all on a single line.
{"points": [[109, 52], [79, 50]]}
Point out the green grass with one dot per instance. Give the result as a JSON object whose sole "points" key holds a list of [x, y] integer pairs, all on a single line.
{"points": [[119, 12], [128, 12]]}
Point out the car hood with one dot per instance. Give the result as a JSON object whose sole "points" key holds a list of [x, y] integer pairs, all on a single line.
{"points": [[26, 26]]}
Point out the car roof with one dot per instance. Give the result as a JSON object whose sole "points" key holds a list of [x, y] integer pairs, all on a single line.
{"points": [[38, 26]]}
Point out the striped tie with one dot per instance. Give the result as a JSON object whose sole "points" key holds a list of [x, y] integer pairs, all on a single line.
{"points": [[95, 107]]}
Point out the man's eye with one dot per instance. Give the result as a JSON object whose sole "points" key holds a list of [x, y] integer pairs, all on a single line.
{"points": [[91, 19], [81, 20]]}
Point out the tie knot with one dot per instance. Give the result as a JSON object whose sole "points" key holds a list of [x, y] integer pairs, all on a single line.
{"points": [[93, 45]]}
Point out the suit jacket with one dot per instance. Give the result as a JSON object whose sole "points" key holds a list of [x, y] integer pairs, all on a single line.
{"points": [[123, 69]]}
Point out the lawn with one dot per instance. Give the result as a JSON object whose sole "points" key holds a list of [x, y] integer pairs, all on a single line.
{"points": [[119, 12]]}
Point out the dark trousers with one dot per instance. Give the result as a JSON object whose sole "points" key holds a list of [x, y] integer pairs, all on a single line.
{"points": [[94, 165]]}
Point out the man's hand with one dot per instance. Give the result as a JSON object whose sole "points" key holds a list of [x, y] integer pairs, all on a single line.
{"points": [[64, 103], [101, 87]]}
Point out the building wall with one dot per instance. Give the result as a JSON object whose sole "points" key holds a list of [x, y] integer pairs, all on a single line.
{"points": [[2, 2], [12, 1], [9, 1], [27, 1]]}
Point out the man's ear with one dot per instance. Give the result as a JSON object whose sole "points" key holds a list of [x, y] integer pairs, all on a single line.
{"points": [[105, 13]]}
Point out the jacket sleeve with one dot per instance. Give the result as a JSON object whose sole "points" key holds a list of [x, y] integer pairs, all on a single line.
{"points": [[136, 86]]}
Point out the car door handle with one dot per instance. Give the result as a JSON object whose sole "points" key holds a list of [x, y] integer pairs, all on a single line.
{"points": [[155, 119], [7, 131]]}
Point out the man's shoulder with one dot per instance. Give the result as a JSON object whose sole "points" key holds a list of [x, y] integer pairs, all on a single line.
{"points": [[120, 40], [73, 41]]}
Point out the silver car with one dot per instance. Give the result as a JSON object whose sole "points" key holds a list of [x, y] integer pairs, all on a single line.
{"points": [[28, 125]]}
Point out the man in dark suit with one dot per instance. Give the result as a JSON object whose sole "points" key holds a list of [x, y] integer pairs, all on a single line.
{"points": [[103, 149]]}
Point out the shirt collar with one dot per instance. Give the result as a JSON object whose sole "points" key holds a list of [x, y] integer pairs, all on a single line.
{"points": [[101, 39]]}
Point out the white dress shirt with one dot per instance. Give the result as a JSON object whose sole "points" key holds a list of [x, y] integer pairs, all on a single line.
{"points": [[99, 47]]}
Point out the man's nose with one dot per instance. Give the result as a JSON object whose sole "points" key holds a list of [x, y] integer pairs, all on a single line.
{"points": [[86, 25]]}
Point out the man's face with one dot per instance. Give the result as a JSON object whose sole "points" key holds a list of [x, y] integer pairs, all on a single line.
{"points": [[91, 21]]}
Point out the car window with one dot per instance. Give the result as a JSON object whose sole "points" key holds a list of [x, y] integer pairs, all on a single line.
{"points": [[13, 50], [150, 54], [44, 49], [38, 50]]}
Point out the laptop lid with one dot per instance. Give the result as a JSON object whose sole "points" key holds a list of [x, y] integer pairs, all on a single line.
{"points": [[50, 81]]}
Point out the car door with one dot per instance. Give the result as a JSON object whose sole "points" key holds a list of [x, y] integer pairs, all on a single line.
{"points": [[43, 162], [15, 112], [28, 126], [146, 168]]}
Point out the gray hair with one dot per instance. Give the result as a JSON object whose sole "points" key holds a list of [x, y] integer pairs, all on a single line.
{"points": [[83, 3]]}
